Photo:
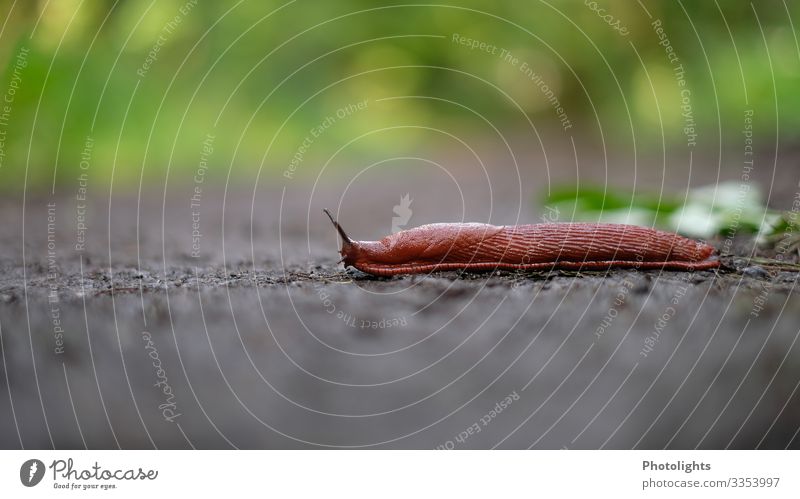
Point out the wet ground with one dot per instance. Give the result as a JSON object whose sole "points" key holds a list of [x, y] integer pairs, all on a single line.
{"points": [[262, 340]]}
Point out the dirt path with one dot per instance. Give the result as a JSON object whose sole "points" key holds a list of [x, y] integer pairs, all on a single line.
{"points": [[133, 342]]}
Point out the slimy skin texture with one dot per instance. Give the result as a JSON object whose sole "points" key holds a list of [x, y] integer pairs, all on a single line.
{"points": [[473, 246]]}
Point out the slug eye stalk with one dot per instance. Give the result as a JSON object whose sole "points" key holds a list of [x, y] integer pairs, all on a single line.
{"points": [[338, 227], [347, 243]]}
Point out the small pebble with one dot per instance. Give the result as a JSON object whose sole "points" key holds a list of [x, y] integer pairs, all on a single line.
{"points": [[756, 272], [739, 263], [642, 286], [698, 278]]}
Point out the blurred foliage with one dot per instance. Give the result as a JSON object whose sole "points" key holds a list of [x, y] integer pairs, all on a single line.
{"points": [[259, 74], [727, 209]]}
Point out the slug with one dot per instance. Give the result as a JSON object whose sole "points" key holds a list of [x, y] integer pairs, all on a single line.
{"points": [[476, 246]]}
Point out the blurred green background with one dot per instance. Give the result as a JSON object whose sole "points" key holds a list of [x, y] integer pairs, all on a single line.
{"points": [[254, 75]]}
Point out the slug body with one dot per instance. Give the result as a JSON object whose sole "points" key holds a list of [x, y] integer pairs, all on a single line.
{"points": [[474, 246]]}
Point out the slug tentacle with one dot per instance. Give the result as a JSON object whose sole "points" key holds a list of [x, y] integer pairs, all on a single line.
{"points": [[349, 247], [338, 227], [473, 246]]}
